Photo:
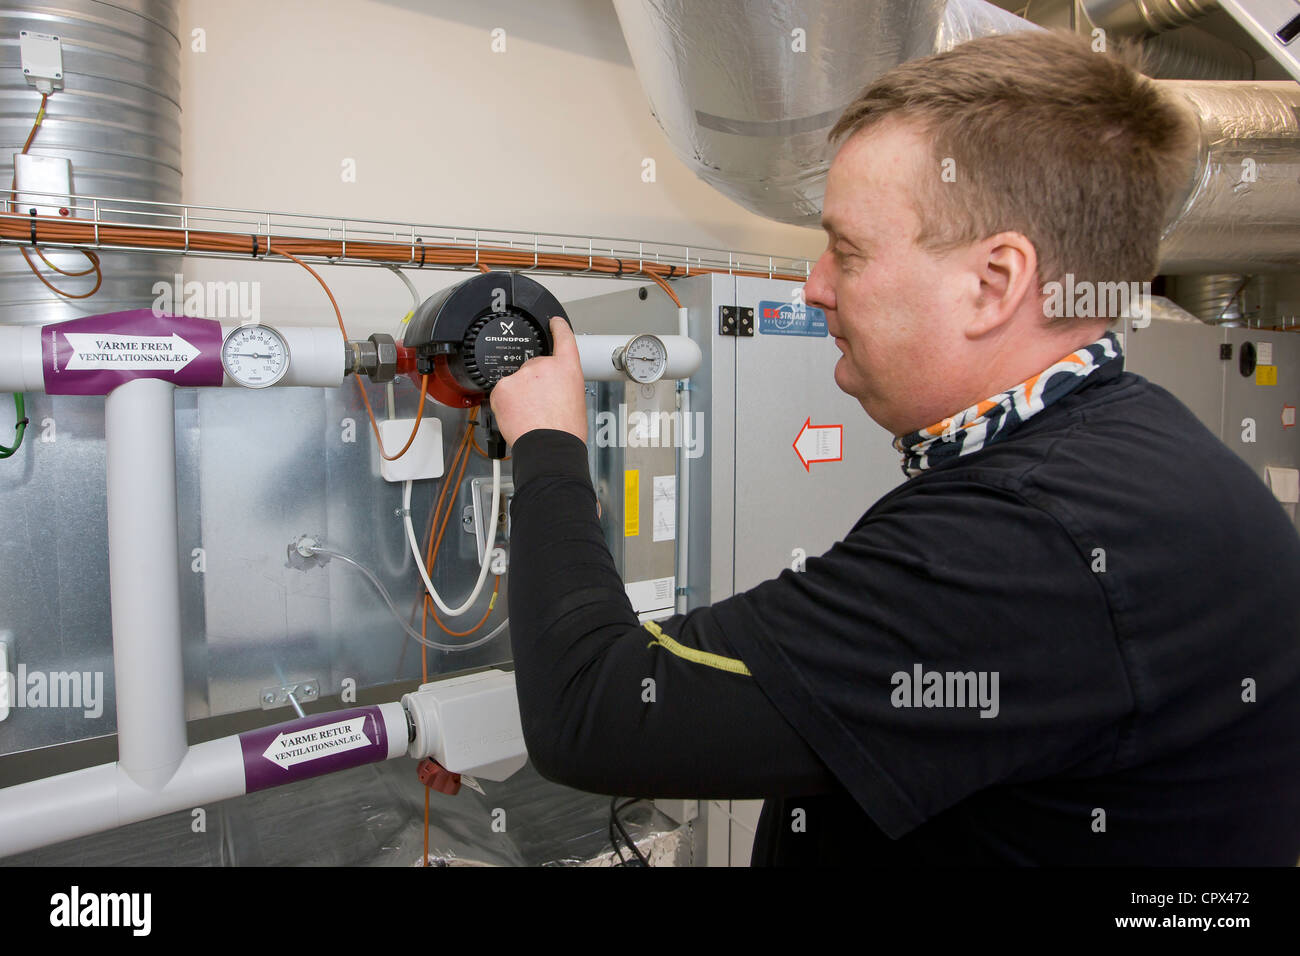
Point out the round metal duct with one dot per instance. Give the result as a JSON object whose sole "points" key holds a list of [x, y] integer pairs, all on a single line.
{"points": [[117, 119], [1214, 299], [746, 92], [1241, 211]]}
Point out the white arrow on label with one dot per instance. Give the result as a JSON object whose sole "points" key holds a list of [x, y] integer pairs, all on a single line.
{"points": [[819, 443], [311, 743], [110, 351]]}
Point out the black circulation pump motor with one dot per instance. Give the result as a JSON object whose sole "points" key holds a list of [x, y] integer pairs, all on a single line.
{"points": [[470, 336]]}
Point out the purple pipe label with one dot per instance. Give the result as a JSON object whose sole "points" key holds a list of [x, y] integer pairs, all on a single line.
{"points": [[320, 744], [94, 355]]}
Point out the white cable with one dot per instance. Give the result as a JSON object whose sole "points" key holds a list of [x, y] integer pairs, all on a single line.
{"points": [[415, 299], [487, 548], [415, 296], [414, 634]]}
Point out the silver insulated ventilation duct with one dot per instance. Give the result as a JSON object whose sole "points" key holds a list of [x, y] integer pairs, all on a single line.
{"points": [[746, 92], [117, 119], [1241, 212]]}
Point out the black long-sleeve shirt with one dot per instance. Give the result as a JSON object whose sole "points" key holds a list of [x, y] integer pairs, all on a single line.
{"points": [[1078, 645]]}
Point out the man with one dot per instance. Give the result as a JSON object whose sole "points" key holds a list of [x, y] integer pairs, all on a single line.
{"points": [[1070, 637]]}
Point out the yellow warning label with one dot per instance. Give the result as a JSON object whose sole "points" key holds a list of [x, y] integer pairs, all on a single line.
{"points": [[1265, 374], [631, 503]]}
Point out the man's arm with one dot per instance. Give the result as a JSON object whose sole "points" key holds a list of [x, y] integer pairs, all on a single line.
{"points": [[607, 705], [956, 639]]}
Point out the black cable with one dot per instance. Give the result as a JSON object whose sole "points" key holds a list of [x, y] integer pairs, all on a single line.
{"points": [[644, 861], [614, 811], [613, 837]]}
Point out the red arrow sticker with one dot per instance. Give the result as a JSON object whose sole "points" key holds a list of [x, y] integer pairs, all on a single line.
{"points": [[816, 443]]}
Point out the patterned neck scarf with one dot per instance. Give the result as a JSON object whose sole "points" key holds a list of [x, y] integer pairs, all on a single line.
{"points": [[994, 418]]}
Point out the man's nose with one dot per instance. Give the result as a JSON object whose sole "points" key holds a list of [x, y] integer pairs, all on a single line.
{"points": [[817, 291]]}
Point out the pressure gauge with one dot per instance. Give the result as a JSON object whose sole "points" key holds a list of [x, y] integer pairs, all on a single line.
{"points": [[644, 358], [255, 356]]}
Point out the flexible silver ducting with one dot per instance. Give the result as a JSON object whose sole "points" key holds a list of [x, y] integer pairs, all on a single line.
{"points": [[749, 112], [1193, 54], [1241, 212], [746, 101], [1136, 17]]}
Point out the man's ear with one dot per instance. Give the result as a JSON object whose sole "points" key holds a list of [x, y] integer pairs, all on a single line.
{"points": [[1006, 265]]}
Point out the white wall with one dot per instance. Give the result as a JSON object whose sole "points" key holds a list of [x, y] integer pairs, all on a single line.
{"points": [[549, 135]]}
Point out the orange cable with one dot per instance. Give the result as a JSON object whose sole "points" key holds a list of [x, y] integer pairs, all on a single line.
{"points": [[460, 456], [478, 448], [365, 399], [424, 667], [99, 275], [664, 285], [436, 511], [435, 546], [40, 116], [84, 272], [52, 229], [92, 257]]}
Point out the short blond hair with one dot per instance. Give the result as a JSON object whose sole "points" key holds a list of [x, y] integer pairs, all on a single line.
{"points": [[1074, 149]]}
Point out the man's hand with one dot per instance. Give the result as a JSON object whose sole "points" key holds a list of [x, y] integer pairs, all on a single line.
{"points": [[546, 392]]}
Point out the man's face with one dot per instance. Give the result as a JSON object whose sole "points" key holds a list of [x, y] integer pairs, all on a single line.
{"points": [[896, 310]]}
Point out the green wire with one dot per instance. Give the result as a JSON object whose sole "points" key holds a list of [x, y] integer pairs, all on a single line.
{"points": [[20, 406]]}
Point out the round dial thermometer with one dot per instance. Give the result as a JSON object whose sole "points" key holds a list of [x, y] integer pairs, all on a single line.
{"points": [[644, 358], [255, 356]]}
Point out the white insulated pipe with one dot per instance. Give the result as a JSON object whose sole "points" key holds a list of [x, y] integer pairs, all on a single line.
{"points": [[20, 359], [144, 580], [82, 802], [597, 355], [100, 798], [316, 355]]}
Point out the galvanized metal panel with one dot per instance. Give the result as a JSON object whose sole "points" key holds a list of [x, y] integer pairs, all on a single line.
{"points": [[54, 565], [117, 119], [256, 470], [712, 392], [781, 382], [638, 555]]}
